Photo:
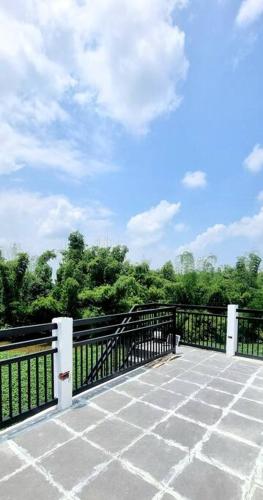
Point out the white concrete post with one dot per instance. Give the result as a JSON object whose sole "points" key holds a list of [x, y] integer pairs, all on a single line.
{"points": [[232, 330], [63, 361]]}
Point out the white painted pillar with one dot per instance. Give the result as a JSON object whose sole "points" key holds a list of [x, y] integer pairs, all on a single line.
{"points": [[63, 361], [232, 330]]}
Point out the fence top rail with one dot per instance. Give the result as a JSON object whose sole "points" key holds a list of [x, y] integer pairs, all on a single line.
{"points": [[196, 313], [123, 326], [24, 357], [250, 318], [27, 343], [24, 330], [109, 317], [246, 310], [193, 306], [120, 334]]}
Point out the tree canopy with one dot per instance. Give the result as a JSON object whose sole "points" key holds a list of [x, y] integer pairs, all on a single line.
{"points": [[93, 280]]}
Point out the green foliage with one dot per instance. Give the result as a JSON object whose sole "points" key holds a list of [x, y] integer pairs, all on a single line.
{"points": [[96, 280]]}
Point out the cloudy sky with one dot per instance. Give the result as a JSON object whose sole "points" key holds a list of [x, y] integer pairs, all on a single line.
{"points": [[136, 122]]}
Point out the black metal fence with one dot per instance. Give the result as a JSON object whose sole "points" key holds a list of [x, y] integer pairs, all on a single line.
{"points": [[26, 372], [250, 333], [202, 326], [107, 346]]}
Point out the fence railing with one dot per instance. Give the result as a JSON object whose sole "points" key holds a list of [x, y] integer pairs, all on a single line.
{"points": [[202, 326], [44, 365], [250, 333], [111, 345], [26, 372]]}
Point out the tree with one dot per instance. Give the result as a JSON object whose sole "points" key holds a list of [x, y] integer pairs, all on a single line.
{"points": [[167, 271]]}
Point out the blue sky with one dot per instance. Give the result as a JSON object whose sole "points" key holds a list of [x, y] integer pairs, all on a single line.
{"points": [[134, 122]]}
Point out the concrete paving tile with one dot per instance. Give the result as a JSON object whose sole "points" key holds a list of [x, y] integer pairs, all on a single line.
{"points": [[200, 412], [202, 481], [154, 378], [258, 493], [219, 362], [79, 418], [164, 399], [135, 388], [195, 378], [225, 385], [142, 415], [181, 387], [210, 396], [28, 484], [259, 472], [167, 496], [235, 376], [42, 437], [258, 383], [242, 427], [250, 408], [117, 483], [237, 456], [254, 393], [111, 401], [171, 369], [212, 371], [180, 431], [185, 364], [73, 462], [154, 456], [9, 460], [246, 368], [113, 434]]}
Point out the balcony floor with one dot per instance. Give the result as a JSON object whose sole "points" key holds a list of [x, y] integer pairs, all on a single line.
{"points": [[190, 427]]}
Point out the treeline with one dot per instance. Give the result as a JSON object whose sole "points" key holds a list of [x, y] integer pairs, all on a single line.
{"points": [[94, 280]]}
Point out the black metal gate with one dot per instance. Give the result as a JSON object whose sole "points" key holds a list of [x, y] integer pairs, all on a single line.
{"points": [[107, 346]]}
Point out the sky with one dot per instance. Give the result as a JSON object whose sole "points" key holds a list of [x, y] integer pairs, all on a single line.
{"points": [[135, 122]]}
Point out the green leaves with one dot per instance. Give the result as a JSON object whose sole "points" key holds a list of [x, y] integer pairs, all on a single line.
{"points": [[97, 280]]}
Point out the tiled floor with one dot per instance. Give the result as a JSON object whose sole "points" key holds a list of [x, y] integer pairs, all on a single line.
{"points": [[189, 428]]}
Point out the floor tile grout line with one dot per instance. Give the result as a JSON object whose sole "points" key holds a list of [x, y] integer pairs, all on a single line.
{"points": [[155, 388], [248, 487], [20, 451], [213, 427]]}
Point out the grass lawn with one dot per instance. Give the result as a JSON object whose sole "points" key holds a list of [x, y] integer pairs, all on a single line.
{"points": [[20, 380]]}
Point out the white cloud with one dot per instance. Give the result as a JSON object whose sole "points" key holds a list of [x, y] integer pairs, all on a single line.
{"points": [[250, 228], [20, 149], [249, 12], [180, 227], [195, 179], [132, 60], [36, 222], [123, 59], [148, 227], [254, 161]]}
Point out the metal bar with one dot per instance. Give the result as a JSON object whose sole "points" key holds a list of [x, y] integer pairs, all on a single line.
{"points": [[19, 382], [26, 343], [102, 329], [114, 335], [28, 413], [115, 375], [22, 330], [99, 319], [9, 361]]}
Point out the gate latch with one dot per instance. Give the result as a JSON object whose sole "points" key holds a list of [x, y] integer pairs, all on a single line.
{"points": [[63, 376]]}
